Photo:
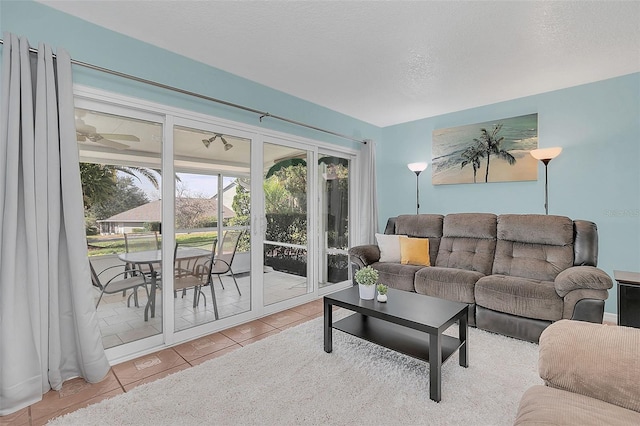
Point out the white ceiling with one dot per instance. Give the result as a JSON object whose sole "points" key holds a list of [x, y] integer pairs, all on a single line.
{"points": [[394, 61]]}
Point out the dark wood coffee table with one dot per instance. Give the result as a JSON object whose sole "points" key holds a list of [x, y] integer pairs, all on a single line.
{"points": [[409, 323]]}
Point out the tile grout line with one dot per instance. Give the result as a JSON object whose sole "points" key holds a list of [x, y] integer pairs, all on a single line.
{"points": [[307, 317], [240, 343]]}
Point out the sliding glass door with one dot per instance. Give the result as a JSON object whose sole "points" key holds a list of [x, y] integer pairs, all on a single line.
{"points": [[211, 278], [333, 206], [286, 231], [168, 198], [121, 176]]}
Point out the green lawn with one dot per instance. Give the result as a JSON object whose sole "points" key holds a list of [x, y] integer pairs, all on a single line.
{"points": [[100, 245]]}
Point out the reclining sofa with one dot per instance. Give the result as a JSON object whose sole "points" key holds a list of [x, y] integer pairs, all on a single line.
{"points": [[517, 273]]}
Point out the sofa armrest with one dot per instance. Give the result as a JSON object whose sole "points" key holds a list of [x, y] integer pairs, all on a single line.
{"points": [[364, 255], [582, 277], [595, 360]]}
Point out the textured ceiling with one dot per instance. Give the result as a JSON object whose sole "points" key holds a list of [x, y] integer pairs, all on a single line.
{"points": [[390, 62]]}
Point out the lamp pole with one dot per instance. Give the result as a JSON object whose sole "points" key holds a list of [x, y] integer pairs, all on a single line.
{"points": [[417, 172], [546, 155], [546, 185], [417, 168]]}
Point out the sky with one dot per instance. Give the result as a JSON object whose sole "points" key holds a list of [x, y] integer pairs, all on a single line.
{"points": [[192, 185]]}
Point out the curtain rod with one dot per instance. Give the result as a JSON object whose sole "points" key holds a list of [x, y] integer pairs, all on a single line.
{"points": [[262, 114]]}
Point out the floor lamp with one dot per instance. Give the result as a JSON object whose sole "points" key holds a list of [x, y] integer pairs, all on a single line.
{"points": [[545, 155], [417, 168]]}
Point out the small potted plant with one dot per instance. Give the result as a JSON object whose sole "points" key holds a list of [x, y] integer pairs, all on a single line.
{"points": [[367, 278], [382, 292]]}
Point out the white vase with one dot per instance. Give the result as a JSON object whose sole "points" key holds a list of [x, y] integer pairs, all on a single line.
{"points": [[367, 292], [382, 298]]}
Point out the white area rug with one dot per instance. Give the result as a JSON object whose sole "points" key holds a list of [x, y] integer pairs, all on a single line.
{"points": [[288, 379]]}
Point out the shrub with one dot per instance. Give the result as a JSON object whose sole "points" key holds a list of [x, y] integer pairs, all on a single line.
{"points": [[152, 226]]}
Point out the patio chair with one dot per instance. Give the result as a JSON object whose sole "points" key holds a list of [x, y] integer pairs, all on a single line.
{"points": [[188, 266], [140, 241], [217, 265], [114, 285], [194, 278], [222, 262], [183, 271]]}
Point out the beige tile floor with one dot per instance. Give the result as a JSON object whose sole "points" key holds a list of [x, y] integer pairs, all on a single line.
{"points": [[121, 324], [77, 393]]}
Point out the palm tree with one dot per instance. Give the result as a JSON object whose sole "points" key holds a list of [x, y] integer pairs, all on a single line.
{"points": [[149, 174], [491, 143], [99, 180], [472, 155]]}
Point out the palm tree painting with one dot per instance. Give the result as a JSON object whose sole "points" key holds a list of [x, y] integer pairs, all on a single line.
{"points": [[472, 155], [499, 149], [491, 143]]}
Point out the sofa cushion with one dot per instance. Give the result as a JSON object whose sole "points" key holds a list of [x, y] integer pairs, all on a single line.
{"points": [[414, 251], [542, 405], [396, 275], [533, 246], [536, 229], [466, 253], [519, 296], [422, 226], [447, 283], [533, 261], [468, 242], [470, 225]]}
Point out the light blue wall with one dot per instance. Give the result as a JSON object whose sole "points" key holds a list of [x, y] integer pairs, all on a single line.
{"points": [[597, 176], [96, 45]]}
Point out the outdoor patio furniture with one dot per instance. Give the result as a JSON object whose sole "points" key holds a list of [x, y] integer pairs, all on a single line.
{"points": [[136, 242], [194, 278], [222, 262], [140, 241], [154, 257], [190, 265], [114, 285], [184, 268]]}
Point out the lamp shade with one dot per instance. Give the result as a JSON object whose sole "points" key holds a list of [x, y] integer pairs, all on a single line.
{"points": [[546, 153], [417, 167]]}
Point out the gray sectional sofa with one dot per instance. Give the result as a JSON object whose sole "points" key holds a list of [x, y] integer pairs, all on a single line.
{"points": [[518, 273]]}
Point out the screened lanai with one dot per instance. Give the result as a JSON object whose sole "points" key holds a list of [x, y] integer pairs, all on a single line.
{"points": [[300, 233]]}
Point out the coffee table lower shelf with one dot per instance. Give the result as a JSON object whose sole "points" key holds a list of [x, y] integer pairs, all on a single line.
{"points": [[401, 339]]}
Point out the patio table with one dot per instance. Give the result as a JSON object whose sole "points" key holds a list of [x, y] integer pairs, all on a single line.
{"points": [[154, 257]]}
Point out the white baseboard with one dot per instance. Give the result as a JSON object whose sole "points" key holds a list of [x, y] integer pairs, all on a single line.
{"points": [[609, 317]]}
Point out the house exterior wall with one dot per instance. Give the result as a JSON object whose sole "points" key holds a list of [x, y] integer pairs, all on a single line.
{"points": [[110, 228]]}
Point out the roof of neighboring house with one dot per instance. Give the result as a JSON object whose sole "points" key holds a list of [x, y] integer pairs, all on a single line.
{"points": [[225, 189], [152, 212]]}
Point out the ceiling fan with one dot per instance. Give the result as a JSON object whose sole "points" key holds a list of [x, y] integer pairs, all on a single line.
{"points": [[86, 132]]}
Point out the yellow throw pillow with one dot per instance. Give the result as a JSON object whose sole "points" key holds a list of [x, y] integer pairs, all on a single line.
{"points": [[414, 251]]}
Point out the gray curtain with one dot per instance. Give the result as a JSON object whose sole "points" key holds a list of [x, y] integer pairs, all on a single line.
{"points": [[367, 195], [48, 325]]}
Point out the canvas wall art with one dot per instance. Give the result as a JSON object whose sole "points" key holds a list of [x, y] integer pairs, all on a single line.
{"points": [[494, 151]]}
